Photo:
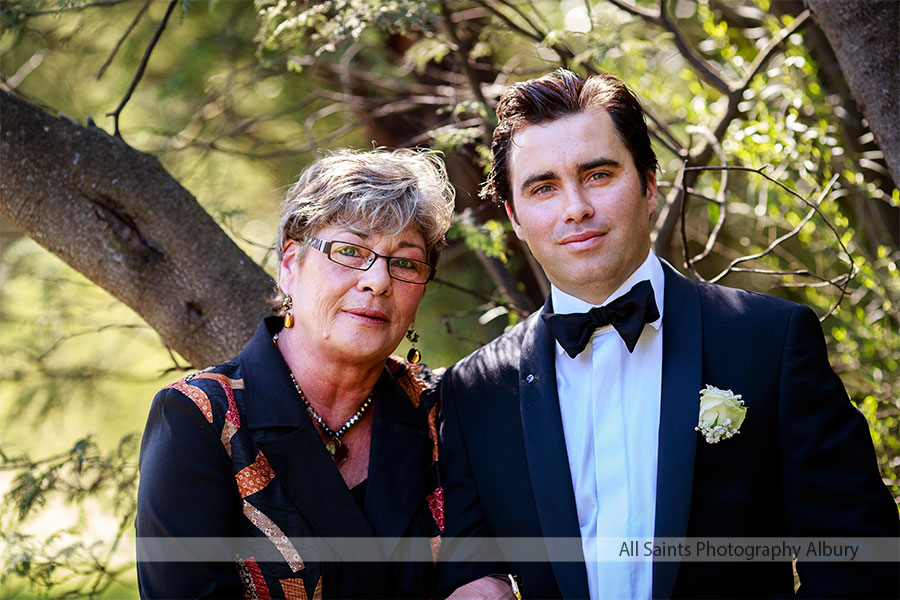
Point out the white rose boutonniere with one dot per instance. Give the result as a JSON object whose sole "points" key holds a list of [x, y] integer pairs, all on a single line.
{"points": [[722, 413]]}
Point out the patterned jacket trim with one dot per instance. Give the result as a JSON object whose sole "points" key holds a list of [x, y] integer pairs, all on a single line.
{"points": [[252, 580], [275, 535], [294, 589]]}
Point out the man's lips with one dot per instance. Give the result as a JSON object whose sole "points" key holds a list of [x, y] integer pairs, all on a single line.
{"points": [[583, 236]]}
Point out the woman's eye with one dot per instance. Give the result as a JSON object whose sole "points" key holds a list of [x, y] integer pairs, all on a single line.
{"points": [[404, 263], [348, 251], [541, 189]]}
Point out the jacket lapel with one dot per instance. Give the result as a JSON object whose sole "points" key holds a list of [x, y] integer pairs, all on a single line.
{"points": [[298, 458], [545, 448], [681, 383], [400, 456], [309, 477], [308, 474]]}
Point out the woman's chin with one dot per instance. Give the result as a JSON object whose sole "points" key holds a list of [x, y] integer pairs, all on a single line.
{"points": [[366, 348]]}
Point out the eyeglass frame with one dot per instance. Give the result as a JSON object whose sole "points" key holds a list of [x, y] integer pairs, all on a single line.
{"points": [[325, 248]]}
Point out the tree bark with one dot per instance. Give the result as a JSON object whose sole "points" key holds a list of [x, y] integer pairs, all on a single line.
{"points": [[863, 34], [114, 214]]}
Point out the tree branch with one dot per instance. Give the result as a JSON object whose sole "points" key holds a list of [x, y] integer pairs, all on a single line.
{"points": [[149, 243], [703, 153], [869, 57], [737, 93], [141, 67], [814, 209], [537, 35], [709, 73], [78, 8], [59, 341], [128, 30], [524, 17], [660, 18], [465, 58], [719, 201]]}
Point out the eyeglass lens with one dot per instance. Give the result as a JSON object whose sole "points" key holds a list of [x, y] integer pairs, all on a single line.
{"points": [[360, 257]]}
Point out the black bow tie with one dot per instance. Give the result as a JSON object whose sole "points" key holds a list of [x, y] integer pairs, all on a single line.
{"points": [[627, 314]]}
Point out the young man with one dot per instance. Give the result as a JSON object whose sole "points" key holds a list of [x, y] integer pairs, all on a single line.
{"points": [[584, 427]]}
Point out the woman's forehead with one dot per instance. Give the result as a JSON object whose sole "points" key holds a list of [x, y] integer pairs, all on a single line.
{"points": [[407, 237]]}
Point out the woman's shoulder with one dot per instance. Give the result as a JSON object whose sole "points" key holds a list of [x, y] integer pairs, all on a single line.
{"points": [[414, 379], [419, 384], [212, 392]]}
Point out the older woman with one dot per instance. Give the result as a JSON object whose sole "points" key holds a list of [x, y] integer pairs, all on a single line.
{"points": [[312, 434]]}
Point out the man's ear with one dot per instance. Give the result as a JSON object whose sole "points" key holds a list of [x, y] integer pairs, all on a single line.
{"points": [[651, 193], [511, 213]]}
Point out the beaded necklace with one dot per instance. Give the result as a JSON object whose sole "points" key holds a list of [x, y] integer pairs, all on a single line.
{"points": [[335, 447]]}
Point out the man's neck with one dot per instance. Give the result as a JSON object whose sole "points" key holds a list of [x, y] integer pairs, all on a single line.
{"points": [[602, 292]]}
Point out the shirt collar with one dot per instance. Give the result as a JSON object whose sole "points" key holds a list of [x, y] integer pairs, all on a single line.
{"points": [[651, 270]]}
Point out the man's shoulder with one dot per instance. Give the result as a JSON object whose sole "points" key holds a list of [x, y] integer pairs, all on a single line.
{"points": [[497, 357], [735, 311], [740, 301], [737, 303]]}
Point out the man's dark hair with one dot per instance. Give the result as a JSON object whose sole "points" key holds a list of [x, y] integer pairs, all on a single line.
{"points": [[560, 94]]}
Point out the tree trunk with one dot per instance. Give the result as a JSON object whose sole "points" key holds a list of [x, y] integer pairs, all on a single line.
{"points": [[115, 215], [863, 34]]}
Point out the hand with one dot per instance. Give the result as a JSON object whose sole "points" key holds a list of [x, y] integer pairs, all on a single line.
{"points": [[486, 588]]}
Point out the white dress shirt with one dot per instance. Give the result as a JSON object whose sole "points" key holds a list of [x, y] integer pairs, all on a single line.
{"points": [[610, 400]]}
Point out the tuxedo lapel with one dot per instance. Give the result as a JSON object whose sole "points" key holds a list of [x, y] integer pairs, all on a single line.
{"points": [[400, 457], [681, 383], [545, 448]]}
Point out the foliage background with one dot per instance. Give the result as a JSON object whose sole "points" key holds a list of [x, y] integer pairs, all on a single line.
{"points": [[238, 97]]}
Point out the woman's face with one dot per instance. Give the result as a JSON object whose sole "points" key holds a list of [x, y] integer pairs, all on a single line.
{"points": [[349, 315]]}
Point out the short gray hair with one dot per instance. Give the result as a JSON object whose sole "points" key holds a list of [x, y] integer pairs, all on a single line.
{"points": [[378, 191]]}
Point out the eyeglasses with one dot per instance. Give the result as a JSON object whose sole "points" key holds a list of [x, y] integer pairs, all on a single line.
{"points": [[361, 258]]}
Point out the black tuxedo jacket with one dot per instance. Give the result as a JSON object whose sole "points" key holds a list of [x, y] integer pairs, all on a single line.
{"points": [[802, 465]]}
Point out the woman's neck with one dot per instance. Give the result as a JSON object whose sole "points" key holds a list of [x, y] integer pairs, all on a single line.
{"points": [[335, 389]]}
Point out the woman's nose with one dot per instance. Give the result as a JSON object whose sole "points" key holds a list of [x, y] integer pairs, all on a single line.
{"points": [[376, 278]]}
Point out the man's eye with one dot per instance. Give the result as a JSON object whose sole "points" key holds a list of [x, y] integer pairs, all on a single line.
{"points": [[598, 176], [541, 189]]}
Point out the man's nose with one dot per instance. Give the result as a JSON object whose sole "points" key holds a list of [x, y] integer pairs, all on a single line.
{"points": [[577, 207]]}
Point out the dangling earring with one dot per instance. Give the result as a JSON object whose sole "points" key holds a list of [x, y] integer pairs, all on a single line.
{"points": [[287, 304], [413, 356]]}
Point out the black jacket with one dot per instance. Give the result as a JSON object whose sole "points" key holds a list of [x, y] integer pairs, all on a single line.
{"points": [[803, 464], [230, 453]]}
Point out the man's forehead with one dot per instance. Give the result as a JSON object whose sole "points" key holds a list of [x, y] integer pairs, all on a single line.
{"points": [[532, 138]]}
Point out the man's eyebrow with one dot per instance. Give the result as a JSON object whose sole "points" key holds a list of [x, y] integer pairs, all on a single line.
{"points": [[600, 162], [548, 175], [535, 178]]}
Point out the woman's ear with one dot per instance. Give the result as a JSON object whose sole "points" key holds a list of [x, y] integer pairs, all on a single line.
{"points": [[288, 260]]}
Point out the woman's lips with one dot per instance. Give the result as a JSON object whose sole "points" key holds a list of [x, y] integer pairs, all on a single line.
{"points": [[368, 315]]}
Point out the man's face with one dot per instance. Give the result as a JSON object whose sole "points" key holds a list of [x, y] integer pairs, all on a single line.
{"points": [[578, 203]]}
